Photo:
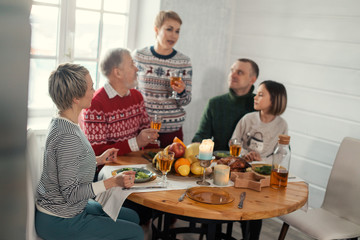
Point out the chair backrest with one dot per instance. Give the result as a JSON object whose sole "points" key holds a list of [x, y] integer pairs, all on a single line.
{"points": [[342, 195], [33, 174]]}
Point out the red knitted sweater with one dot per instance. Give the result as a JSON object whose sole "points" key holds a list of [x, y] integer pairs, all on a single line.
{"points": [[110, 123]]}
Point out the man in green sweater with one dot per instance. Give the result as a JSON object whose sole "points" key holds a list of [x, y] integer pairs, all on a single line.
{"points": [[223, 112]]}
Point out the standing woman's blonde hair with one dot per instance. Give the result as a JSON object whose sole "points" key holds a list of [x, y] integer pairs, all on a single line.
{"points": [[165, 15], [66, 83]]}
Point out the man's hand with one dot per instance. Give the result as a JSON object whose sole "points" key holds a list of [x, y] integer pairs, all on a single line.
{"points": [[146, 136]]}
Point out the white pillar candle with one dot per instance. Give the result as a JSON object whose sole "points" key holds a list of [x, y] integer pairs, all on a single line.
{"points": [[206, 149], [221, 175]]}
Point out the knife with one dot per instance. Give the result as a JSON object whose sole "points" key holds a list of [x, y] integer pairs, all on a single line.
{"points": [[140, 188], [182, 196], [147, 157], [242, 198]]}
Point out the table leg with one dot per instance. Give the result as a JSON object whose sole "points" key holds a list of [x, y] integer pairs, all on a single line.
{"points": [[245, 226]]}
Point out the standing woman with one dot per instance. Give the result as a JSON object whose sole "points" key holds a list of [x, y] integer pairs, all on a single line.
{"points": [[65, 209], [155, 64]]}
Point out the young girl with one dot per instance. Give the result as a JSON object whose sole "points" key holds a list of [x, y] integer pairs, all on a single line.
{"points": [[259, 130]]}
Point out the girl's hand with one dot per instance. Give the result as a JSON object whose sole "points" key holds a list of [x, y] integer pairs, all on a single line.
{"points": [[252, 156], [125, 179], [179, 87], [107, 156]]}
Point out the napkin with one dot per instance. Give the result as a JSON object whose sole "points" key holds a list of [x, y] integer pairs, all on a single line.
{"points": [[111, 200]]}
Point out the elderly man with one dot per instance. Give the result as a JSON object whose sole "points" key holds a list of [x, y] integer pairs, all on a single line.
{"points": [[223, 112], [117, 117]]}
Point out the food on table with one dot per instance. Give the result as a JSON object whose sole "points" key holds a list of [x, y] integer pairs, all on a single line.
{"points": [[176, 139], [140, 174], [180, 162], [221, 154], [191, 151], [265, 170], [236, 164], [196, 169], [178, 149], [184, 170], [151, 154]]}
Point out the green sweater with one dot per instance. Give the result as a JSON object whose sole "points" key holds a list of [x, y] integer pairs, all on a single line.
{"points": [[221, 115]]}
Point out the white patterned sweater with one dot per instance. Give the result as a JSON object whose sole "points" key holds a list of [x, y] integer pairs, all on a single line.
{"points": [[154, 84]]}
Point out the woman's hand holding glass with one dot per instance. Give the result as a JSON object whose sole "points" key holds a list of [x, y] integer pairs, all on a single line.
{"points": [[176, 83]]}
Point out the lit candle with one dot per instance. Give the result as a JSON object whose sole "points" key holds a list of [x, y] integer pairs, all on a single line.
{"points": [[206, 149]]}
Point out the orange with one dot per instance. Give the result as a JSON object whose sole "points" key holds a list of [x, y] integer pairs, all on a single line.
{"points": [[180, 162], [176, 139]]}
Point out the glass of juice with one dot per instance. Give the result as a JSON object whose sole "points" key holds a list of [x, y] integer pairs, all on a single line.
{"points": [[175, 78], [235, 146], [155, 123], [165, 161]]}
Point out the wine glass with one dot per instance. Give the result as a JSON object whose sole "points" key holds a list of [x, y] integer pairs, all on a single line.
{"points": [[165, 160], [204, 164], [175, 77], [235, 145], [155, 123]]}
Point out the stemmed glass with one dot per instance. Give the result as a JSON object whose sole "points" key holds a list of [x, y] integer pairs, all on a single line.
{"points": [[175, 77], [155, 123], [165, 161], [235, 145], [204, 164]]}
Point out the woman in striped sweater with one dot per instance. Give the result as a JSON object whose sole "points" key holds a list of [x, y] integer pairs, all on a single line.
{"points": [[65, 209]]}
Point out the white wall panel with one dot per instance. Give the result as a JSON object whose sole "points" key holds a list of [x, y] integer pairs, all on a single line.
{"points": [[293, 25], [321, 102], [299, 50], [313, 76], [312, 47]]}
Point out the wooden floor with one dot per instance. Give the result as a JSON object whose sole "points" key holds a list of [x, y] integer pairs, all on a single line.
{"points": [[270, 231]]}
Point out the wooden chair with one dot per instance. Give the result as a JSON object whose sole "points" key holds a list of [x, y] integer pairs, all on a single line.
{"points": [[33, 173], [339, 215]]}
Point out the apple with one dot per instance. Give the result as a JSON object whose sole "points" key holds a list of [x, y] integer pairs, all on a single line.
{"points": [[178, 149]]}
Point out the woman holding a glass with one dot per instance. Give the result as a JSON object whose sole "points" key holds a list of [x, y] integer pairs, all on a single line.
{"points": [[159, 64]]}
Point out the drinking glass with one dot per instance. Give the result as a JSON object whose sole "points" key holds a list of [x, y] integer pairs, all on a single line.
{"points": [[235, 145], [155, 123], [175, 77], [204, 164], [165, 161]]}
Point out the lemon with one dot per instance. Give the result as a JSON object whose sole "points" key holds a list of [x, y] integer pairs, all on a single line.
{"points": [[196, 168], [184, 170], [191, 151]]}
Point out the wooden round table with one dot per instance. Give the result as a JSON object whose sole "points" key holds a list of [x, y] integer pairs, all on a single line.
{"points": [[267, 203]]}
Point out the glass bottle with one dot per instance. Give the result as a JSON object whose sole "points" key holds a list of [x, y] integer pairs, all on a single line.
{"points": [[281, 163]]}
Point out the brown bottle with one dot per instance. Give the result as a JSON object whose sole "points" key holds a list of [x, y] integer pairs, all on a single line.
{"points": [[281, 163]]}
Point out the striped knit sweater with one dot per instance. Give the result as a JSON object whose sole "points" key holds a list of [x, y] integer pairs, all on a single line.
{"points": [[68, 170], [154, 84]]}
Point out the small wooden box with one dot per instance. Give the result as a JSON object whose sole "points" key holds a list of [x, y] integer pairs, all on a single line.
{"points": [[249, 180]]}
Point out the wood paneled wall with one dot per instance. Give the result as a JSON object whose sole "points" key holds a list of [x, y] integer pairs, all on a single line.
{"points": [[312, 47]]}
